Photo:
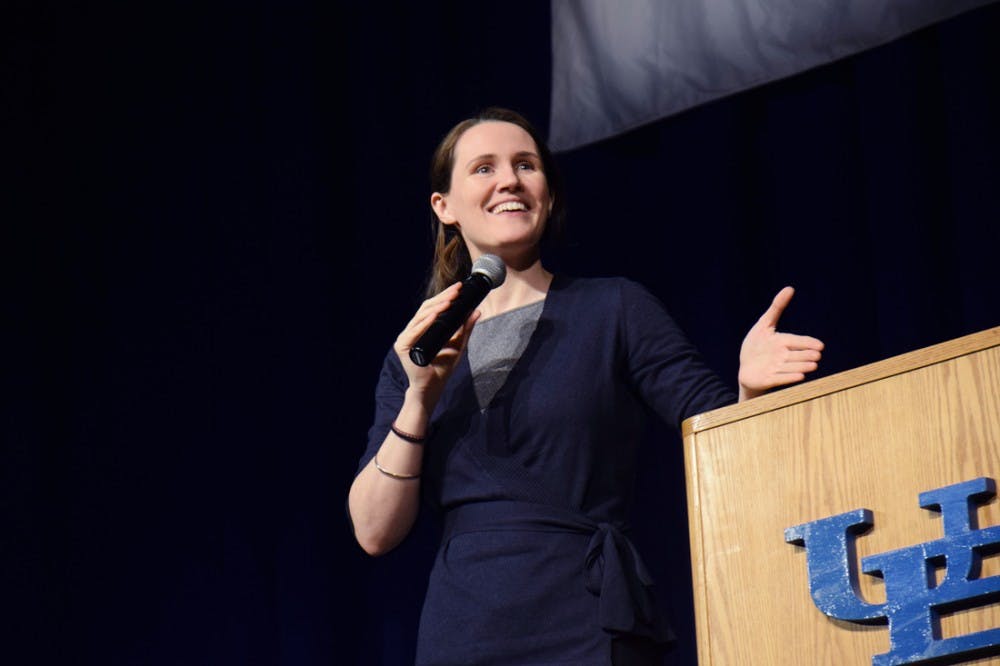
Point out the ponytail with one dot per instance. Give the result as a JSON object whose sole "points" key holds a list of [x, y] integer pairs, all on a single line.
{"points": [[452, 262]]}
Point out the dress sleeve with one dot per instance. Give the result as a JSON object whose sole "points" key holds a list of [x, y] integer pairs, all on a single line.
{"points": [[663, 367], [392, 383]]}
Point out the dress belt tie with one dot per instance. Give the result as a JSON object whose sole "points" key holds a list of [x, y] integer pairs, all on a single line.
{"points": [[614, 571]]}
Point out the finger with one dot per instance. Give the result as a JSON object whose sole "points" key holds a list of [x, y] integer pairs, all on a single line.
{"points": [[416, 328], [783, 378], [443, 298], [773, 313], [420, 323], [458, 340], [798, 367], [429, 310], [433, 309], [804, 355], [461, 336], [470, 322], [800, 342]]}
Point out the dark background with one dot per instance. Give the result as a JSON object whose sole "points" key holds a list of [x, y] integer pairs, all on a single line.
{"points": [[216, 221]]}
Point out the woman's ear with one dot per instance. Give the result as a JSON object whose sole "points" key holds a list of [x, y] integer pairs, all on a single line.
{"points": [[439, 202]]}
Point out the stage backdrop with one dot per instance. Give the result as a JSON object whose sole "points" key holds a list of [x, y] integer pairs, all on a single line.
{"points": [[224, 224]]}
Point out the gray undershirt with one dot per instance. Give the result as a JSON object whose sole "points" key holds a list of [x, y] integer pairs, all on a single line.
{"points": [[495, 346]]}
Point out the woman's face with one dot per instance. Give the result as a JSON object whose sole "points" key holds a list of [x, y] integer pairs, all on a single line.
{"points": [[499, 196]]}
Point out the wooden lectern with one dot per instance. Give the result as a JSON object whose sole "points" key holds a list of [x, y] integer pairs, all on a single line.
{"points": [[871, 438]]}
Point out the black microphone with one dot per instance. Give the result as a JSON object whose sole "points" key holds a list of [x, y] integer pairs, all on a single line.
{"points": [[488, 272]]}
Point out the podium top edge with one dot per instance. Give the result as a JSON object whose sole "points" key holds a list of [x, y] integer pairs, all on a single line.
{"points": [[843, 380]]}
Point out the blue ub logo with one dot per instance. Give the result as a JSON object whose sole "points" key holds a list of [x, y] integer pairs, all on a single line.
{"points": [[913, 600]]}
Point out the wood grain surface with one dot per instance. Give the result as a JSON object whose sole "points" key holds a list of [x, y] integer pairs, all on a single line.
{"points": [[875, 438]]}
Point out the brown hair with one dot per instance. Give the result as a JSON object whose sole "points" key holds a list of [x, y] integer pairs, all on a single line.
{"points": [[452, 262]]}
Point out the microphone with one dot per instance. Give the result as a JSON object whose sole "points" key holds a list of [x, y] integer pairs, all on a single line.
{"points": [[488, 272]]}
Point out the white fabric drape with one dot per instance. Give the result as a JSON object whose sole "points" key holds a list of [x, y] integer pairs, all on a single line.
{"points": [[618, 64]]}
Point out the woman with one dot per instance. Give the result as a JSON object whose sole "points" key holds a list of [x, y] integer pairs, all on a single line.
{"points": [[523, 433]]}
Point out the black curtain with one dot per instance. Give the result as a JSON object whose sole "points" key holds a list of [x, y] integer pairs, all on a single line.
{"points": [[217, 221]]}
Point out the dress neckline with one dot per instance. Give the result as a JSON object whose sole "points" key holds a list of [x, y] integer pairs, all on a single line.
{"points": [[548, 303], [513, 310]]}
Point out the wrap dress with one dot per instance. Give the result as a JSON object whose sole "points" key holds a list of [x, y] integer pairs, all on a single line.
{"points": [[535, 565]]}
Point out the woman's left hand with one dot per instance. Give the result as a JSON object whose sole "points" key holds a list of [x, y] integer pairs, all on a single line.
{"points": [[769, 358]]}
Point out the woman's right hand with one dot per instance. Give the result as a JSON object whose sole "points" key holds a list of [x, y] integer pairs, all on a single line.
{"points": [[428, 382]]}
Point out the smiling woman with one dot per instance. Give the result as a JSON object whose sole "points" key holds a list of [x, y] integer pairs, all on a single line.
{"points": [[522, 432]]}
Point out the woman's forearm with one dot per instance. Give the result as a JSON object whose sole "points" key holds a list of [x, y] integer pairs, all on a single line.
{"points": [[383, 503]]}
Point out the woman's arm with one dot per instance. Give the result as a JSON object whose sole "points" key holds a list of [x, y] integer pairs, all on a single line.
{"points": [[383, 503], [383, 507]]}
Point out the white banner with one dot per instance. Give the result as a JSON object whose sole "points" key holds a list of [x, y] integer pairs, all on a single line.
{"points": [[619, 64]]}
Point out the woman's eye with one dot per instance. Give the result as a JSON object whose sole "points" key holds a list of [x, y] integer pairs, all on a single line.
{"points": [[483, 168], [526, 166]]}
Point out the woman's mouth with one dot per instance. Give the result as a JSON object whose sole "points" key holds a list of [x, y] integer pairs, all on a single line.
{"points": [[508, 206]]}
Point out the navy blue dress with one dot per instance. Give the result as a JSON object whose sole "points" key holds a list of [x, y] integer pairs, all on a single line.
{"points": [[535, 566]]}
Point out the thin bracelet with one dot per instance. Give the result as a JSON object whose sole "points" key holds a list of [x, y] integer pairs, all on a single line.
{"points": [[402, 477], [405, 436]]}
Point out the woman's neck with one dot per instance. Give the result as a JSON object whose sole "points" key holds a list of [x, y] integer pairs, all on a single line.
{"points": [[521, 287]]}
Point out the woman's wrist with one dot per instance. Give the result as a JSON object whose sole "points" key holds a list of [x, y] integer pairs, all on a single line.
{"points": [[410, 437], [748, 393], [414, 415]]}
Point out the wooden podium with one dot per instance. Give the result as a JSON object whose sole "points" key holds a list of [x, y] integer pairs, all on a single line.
{"points": [[875, 438]]}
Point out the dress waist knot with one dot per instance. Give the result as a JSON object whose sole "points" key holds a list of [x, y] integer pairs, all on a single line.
{"points": [[613, 570]]}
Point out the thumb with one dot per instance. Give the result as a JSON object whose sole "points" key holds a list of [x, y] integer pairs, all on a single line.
{"points": [[773, 313]]}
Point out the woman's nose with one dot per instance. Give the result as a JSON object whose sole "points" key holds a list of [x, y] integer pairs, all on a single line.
{"points": [[509, 178]]}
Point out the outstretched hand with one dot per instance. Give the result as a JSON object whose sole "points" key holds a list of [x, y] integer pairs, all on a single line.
{"points": [[769, 358]]}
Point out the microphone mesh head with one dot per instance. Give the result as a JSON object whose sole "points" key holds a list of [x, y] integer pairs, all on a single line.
{"points": [[492, 268]]}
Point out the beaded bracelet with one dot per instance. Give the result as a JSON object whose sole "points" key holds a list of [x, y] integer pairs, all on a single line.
{"points": [[405, 436], [402, 477]]}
